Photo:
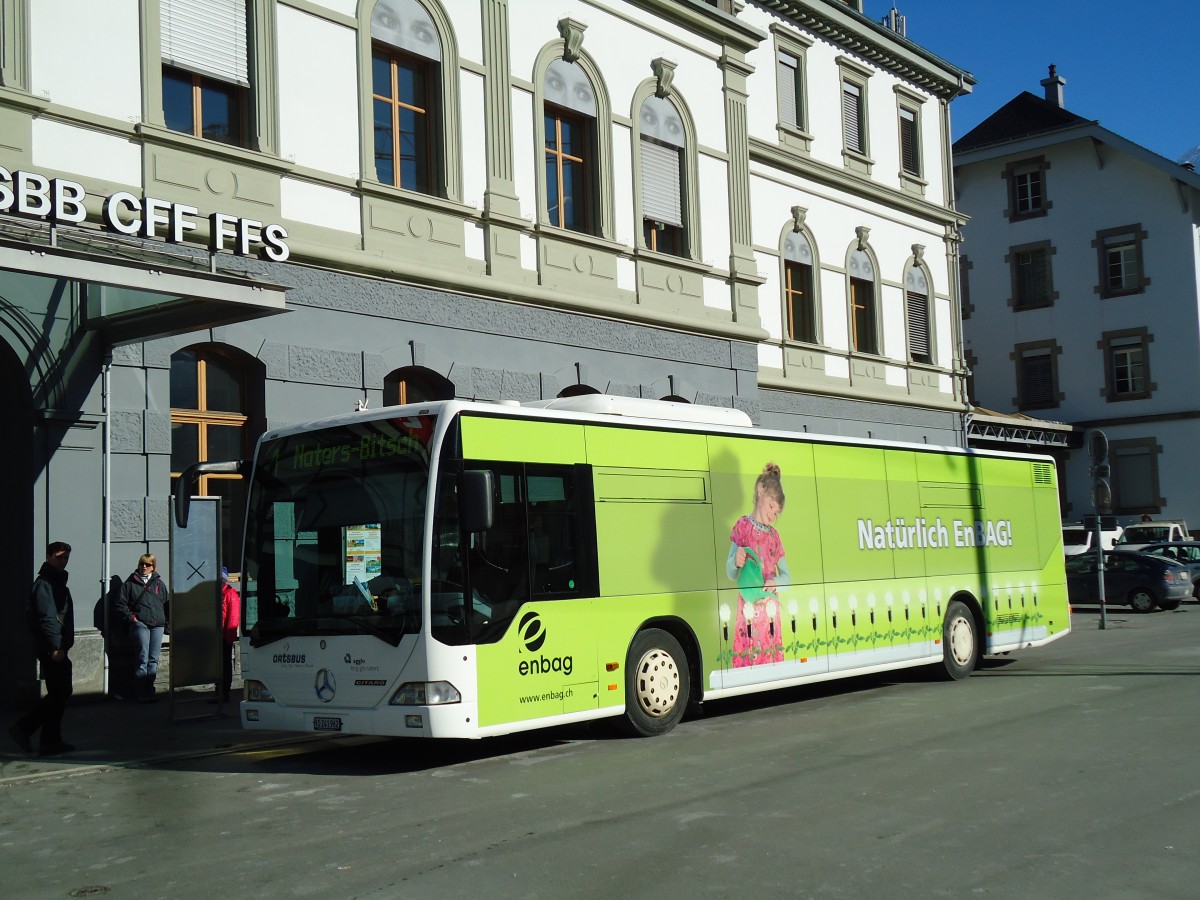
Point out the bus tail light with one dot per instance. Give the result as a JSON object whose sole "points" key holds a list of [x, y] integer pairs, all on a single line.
{"points": [[426, 693], [257, 692]]}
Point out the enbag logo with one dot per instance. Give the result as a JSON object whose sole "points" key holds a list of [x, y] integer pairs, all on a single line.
{"points": [[533, 636], [533, 632]]}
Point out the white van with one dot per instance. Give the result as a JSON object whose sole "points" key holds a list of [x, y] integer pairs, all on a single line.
{"points": [[1157, 531], [1077, 538]]}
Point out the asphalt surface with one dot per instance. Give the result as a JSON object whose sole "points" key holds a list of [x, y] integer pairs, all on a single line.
{"points": [[108, 733], [1064, 772]]}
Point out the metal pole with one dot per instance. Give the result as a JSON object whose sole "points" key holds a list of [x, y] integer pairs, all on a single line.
{"points": [[1101, 503]]}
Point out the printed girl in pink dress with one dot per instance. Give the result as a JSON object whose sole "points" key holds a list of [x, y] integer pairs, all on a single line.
{"points": [[756, 563]]}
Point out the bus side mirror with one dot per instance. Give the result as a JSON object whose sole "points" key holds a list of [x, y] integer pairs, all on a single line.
{"points": [[183, 497], [476, 488]]}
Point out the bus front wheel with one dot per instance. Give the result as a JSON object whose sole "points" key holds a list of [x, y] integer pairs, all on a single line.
{"points": [[657, 683], [960, 643]]}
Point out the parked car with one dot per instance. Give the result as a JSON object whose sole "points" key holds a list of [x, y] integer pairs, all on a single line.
{"points": [[1186, 552], [1078, 537], [1157, 531], [1137, 580]]}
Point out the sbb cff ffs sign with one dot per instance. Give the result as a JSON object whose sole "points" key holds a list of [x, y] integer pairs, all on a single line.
{"points": [[61, 201]]}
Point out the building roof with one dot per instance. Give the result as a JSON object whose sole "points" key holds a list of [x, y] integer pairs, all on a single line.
{"points": [[1028, 123], [1023, 116]]}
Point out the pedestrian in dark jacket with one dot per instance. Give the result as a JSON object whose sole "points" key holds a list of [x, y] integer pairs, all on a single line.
{"points": [[142, 605], [52, 620]]}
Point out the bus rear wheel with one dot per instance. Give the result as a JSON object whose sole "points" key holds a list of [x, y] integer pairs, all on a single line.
{"points": [[960, 643], [657, 683]]}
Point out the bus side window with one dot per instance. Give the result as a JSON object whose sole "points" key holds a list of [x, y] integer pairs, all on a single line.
{"points": [[552, 542], [498, 557]]}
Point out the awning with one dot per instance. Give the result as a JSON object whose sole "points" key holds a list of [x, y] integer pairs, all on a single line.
{"points": [[988, 426], [132, 299]]}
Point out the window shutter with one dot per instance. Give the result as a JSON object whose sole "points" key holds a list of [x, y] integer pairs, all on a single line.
{"points": [[851, 116], [206, 36], [661, 184], [908, 142], [1133, 477], [1037, 377], [786, 71], [918, 325], [1032, 288]]}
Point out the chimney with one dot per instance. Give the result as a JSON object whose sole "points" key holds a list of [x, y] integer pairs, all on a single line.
{"points": [[1054, 86]]}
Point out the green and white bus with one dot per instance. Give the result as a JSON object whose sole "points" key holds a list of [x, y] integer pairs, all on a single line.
{"points": [[463, 569]]}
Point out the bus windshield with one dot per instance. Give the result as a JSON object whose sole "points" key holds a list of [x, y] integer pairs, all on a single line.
{"points": [[336, 519]]}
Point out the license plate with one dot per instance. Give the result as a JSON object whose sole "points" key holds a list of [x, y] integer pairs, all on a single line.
{"points": [[327, 723]]}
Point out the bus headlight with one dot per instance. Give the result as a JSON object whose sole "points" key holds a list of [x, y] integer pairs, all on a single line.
{"points": [[257, 692], [425, 693]]}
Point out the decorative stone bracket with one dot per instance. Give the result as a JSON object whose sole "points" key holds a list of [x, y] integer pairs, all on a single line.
{"points": [[664, 71], [572, 34]]}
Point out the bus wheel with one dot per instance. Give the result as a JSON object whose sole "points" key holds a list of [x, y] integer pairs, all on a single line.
{"points": [[1142, 600], [657, 683], [960, 648]]}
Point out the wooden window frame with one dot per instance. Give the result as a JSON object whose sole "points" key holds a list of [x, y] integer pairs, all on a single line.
{"points": [[239, 93], [426, 70], [804, 298], [584, 216], [202, 417], [855, 339]]}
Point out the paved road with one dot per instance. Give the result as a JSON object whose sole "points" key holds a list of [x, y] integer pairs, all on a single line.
{"points": [[1066, 772]]}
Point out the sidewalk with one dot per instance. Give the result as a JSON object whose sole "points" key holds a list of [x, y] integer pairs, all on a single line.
{"points": [[118, 734]]}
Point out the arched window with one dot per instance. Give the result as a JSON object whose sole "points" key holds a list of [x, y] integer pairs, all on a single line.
{"points": [[406, 95], [918, 314], [213, 420], [570, 120], [864, 303], [662, 143], [799, 288], [415, 384]]}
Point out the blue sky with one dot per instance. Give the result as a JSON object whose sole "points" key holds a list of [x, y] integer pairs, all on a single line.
{"points": [[1134, 66]]}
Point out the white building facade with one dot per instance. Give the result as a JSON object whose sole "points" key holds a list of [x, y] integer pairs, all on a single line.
{"points": [[1082, 295], [219, 216]]}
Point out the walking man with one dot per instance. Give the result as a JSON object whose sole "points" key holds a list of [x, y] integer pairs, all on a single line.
{"points": [[52, 620]]}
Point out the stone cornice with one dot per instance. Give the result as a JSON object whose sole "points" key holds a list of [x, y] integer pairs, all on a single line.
{"points": [[779, 157], [855, 32], [707, 20]]}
